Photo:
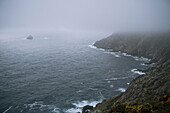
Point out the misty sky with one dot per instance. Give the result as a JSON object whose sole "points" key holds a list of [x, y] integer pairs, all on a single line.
{"points": [[88, 15]]}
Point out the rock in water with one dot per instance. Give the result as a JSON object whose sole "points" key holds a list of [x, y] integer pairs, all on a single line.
{"points": [[87, 108], [30, 37]]}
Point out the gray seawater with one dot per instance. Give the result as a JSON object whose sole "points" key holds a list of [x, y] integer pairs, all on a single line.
{"points": [[59, 74]]}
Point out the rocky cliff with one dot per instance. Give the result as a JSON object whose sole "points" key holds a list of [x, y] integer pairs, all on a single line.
{"points": [[149, 93], [149, 45]]}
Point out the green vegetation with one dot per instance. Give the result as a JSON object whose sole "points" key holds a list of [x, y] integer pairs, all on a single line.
{"points": [[149, 93]]}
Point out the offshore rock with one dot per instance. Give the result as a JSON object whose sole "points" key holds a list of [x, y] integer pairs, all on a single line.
{"points": [[30, 37]]}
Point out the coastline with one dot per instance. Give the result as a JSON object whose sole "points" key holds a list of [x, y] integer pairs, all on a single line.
{"points": [[149, 92]]}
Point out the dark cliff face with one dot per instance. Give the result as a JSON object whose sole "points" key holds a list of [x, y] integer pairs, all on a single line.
{"points": [[151, 46], [149, 93]]}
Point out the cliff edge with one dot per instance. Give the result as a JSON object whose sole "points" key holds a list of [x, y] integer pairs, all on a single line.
{"points": [[149, 93]]}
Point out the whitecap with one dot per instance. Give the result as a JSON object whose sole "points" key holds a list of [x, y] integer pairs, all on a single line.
{"points": [[92, 46], [108, 81], [57, 110], [109, 51], [136, 57], [143, 64], [39, 105], [79, 91], [80, 104], [121, 89], [116, 54], [141, 59], [125, 54], [111, 86], [73, 110], [135, 71], [111, 79], [7, 109]]}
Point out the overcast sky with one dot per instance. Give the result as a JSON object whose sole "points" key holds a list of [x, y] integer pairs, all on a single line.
{"points": [[85, 15]]}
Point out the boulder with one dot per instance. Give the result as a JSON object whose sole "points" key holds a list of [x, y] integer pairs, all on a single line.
{"points": [[87, 108]]}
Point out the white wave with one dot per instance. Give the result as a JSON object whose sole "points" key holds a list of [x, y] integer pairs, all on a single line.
{"points": [[7, 109], [121, 89], [141, 59], [116, 78], [92, 46], [56, 110], [39, 105], [135, 71], [108, 81], [111, 86], [79, 91], [125, 54], [80, 104], [116, 54], [137, 58], [143, 64], [94, 89], [73, 110]]}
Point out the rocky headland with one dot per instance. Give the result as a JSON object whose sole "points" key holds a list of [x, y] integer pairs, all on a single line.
{"points": [[148, 93]]}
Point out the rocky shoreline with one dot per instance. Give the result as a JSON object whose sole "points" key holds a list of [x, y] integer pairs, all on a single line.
{"points": [[148, 93]]}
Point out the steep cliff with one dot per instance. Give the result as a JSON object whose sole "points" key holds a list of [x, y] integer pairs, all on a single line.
{"points": [[149, 45], [149, 93]]}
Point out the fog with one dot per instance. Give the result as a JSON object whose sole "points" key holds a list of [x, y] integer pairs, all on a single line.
{"points": [[85, 16]]}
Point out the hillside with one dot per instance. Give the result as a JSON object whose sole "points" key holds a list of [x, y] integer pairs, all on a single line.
{"points": [[149, 45], [149, 93]]}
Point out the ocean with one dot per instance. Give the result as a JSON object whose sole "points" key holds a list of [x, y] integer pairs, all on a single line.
{"points": [[60, 73]]}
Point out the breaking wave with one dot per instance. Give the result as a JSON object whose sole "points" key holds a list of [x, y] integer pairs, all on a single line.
{"points": [[121, 89], [119, 54], [135, 71], [7, 109], [111, 79], [80, 104]]}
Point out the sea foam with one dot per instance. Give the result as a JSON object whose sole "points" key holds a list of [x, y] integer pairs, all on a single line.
{"points": [[119, 54], [135, 71], [80, 104], [40, 105], [7, 109], [121, 89], [111, 79]]}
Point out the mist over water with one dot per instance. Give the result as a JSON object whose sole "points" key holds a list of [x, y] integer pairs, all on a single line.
{"points": [[85, 15], [49, 74], [59, 70]]}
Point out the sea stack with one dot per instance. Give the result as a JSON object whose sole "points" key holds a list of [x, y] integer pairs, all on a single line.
{"points": [[30, 37]]}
